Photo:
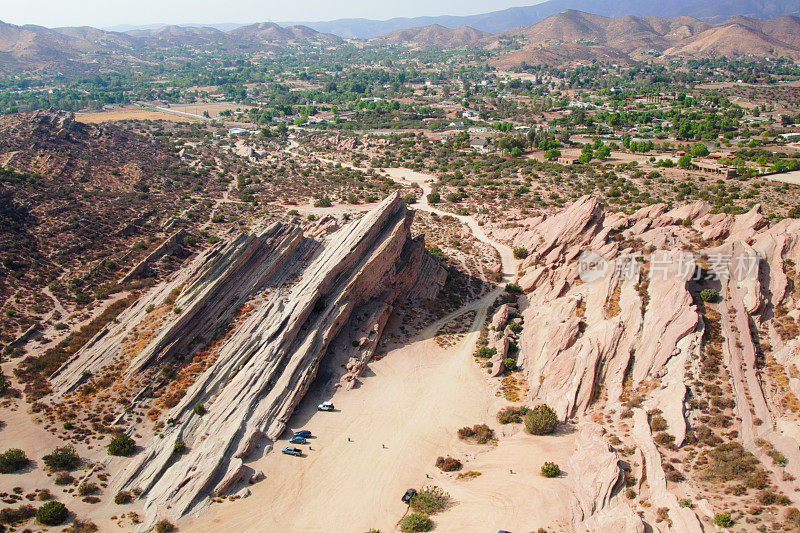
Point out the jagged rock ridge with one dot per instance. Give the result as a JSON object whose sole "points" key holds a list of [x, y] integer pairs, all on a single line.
{"points": [[285, 298]]}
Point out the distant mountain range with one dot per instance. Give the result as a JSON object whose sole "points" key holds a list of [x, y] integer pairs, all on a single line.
{"points": [[500, 21], [73, 49], [568, 35], [574, 35]]}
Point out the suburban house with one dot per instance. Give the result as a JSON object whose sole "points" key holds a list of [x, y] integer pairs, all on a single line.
{"points": [[479, 145]]}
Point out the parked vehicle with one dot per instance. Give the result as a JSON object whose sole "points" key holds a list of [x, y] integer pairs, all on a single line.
{"points": [[297, 439], [325, 406], [291, 450], [302, 433], [410, 493]]}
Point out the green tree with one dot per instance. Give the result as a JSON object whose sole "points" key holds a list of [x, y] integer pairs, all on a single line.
{"points": [[604, 152], [52, 513], [552, 154], [122, 445], [699, 150], [13, 460], [62, 458]]}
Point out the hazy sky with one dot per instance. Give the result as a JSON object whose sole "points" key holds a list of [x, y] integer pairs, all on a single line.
{"points": [[103, 13]]}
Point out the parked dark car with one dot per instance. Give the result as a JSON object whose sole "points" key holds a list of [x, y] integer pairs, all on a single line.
{"points": [[410, 493], [297, 439], [291, 450], [302, 433]]}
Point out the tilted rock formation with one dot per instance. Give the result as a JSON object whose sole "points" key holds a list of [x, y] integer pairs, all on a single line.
{"points": [[626, 332], [285, 298], [595, 479]]}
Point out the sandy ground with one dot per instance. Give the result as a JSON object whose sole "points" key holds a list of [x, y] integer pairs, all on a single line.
{"points": [[404, 414]]}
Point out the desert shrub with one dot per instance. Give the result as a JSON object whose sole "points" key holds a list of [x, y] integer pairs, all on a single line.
{"points": [[179, 447], [12, 460], [430, 500], [672, 473], [415, 522], [483, 433], [199, 409], [81, 526], [64, 479], [792, 517], [123, 497], [448, 464], [709, 295], [686, 502], [729, 461], [510, 364], [164, 526], [514, 327], [541, 420], [664, 439], [485, 352], [466, 432], [323, 202], [551, 470], [52, 513], [723, 519], [44, 495], [658, 423], [521, 252], [513, 288], [122, 445], [480, 432], [86, 489], [509, 415], [62, 458], [9, 515], [768, 497]]}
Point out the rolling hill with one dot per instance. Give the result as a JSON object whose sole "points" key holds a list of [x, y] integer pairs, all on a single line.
{"points": [[500, 21], [434, 36]]}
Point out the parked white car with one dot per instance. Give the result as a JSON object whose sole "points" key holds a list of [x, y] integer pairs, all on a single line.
{"points": [[325, 406]]}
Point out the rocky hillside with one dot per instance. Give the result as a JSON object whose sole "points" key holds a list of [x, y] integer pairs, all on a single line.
{"points": [[73, 195], [678, 331]]}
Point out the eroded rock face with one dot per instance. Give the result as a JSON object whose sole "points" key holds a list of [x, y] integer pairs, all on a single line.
{"points": [[630, 336], [595, 479], [284, 298]]}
